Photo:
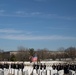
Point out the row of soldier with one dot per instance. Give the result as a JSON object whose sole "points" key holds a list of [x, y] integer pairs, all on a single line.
{"points": [[66, 67], [13, 66], [37, 66]]}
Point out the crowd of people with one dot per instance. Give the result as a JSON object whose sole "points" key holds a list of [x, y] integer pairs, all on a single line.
{"points": [[37, 66], [13, 66], [66, 67]]}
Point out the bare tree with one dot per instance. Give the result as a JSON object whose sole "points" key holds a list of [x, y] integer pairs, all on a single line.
{"points": [[22, 54], [43, 54], [71, 51]]}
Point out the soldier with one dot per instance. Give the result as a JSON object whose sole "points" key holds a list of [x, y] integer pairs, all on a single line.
{"points": [[2, 66], [66, 69], [6, 66], [44, 66], [41, 66], [17, 67], [34, 66], [37, 66], [54, 67], [22, 67]]}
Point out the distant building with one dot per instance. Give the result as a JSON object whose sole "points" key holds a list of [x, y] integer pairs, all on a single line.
{"points": [[13, 52]]}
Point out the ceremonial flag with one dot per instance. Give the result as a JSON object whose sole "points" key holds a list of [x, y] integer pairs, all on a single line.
{"points": [[34, 58]]}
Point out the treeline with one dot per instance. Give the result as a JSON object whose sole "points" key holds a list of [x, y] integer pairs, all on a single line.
{"points": [[24, 54]]}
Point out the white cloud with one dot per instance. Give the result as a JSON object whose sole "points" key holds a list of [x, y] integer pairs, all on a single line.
{"points": [[58, 28], [23, 13], [20, 12], [35, 14], [2, 11], [33, 37], [28, 35], [12, 15], [9, 31], [14, 31]]}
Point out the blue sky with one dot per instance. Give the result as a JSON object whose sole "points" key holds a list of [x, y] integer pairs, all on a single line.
{"points": [[37, 24]]}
